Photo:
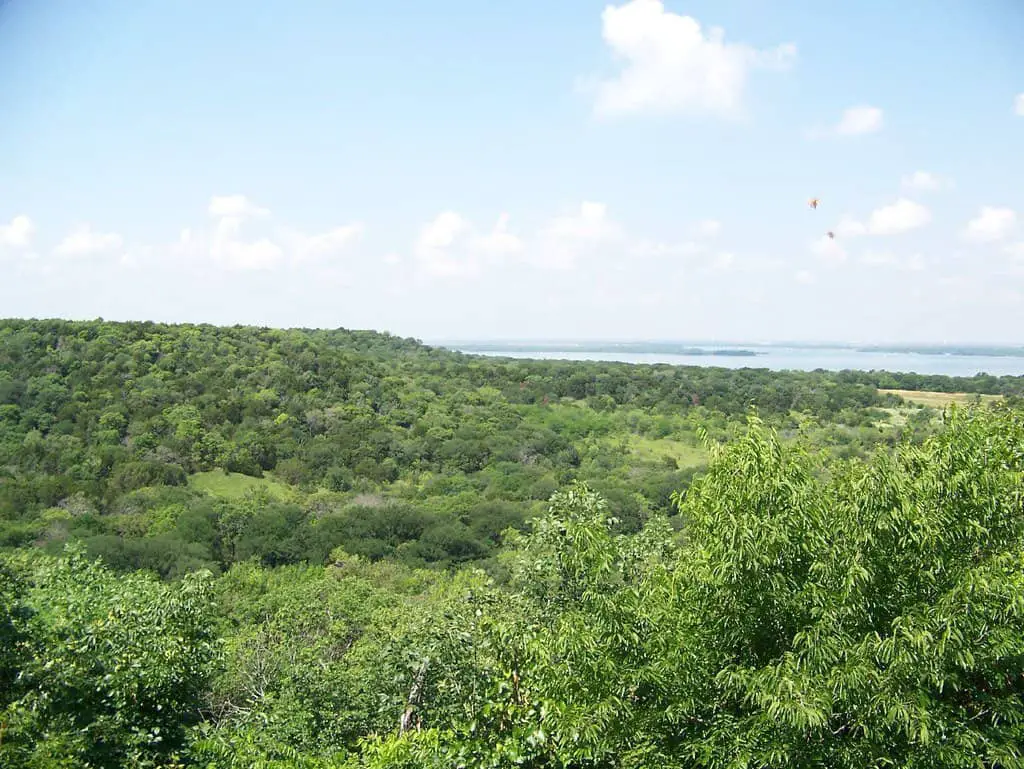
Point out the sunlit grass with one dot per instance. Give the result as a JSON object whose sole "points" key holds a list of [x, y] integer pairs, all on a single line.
{"points": [[235, 485], [939, 400], [686, 454]]}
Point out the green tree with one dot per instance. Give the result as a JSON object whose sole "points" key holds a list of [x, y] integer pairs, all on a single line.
{"points": [[870, 617], [112, 669]]}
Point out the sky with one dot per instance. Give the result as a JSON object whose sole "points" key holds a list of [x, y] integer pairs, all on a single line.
{"points": [[638, 169]]}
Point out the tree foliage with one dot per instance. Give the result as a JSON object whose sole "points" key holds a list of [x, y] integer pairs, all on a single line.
{"points": [[108, 670], [337, 550], [138, 439], [874, 618]]}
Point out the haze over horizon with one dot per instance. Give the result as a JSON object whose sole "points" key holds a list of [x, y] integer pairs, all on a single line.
{"points": [[552, 342], [629, 171]]}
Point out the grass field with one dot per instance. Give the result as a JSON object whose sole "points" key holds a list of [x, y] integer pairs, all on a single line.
{"points": [[896, 418], [655, 448], [234, 486], [938, 400]]}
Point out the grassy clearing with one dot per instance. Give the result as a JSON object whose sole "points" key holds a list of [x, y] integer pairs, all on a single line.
{"points": [[656, 448], [234, 486], [896, 418], [938, 400]]}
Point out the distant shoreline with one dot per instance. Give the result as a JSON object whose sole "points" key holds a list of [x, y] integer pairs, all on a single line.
{"points": [[988, 352], [728, 350], [638, 348], [963, 361]]}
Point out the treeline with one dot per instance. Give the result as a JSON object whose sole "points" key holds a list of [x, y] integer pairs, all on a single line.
{"points": [[868, 616], [114, 434], [982, 384], [392, 449]]}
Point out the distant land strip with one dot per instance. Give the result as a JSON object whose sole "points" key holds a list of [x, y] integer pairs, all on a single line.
{"points": [[765, 348], [625, 347], [989, 352]]}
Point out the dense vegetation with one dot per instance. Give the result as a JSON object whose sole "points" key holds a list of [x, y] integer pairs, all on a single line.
{"points": [[120, 435], [345, 549]]}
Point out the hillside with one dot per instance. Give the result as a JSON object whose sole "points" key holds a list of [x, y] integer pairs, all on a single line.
{"points": [[228, 547], [173, 447]]}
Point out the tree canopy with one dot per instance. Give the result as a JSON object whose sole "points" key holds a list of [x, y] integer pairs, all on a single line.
{"points": [[342, 550], [176, 447]]}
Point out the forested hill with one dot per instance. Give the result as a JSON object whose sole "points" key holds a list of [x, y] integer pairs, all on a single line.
{"points": [[289, 527], [120, 435]]}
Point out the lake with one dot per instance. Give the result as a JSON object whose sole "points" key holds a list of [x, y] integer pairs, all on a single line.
{"points": [[960, 361]]}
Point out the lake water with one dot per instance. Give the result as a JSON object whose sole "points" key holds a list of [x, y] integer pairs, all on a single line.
{"points": [[780, 358]]}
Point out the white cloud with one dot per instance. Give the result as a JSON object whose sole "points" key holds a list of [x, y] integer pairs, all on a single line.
{"points": [[136, 256], [991, 224], [803, 276], [925, 182], [708, 228], [227, 249], [18, 233], [591, 224], [433, 249], [307, 247], [860, 120], [499, 242], [854, 121], [441, 232], [84, 242], [449, 246], [1018, 104], [234, 206], [226, 246], [723, 260], [565, 238], [902, 216], [670, 65]]}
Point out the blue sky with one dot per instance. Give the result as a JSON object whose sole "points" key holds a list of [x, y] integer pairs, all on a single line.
{"points": [[629, 170]]}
